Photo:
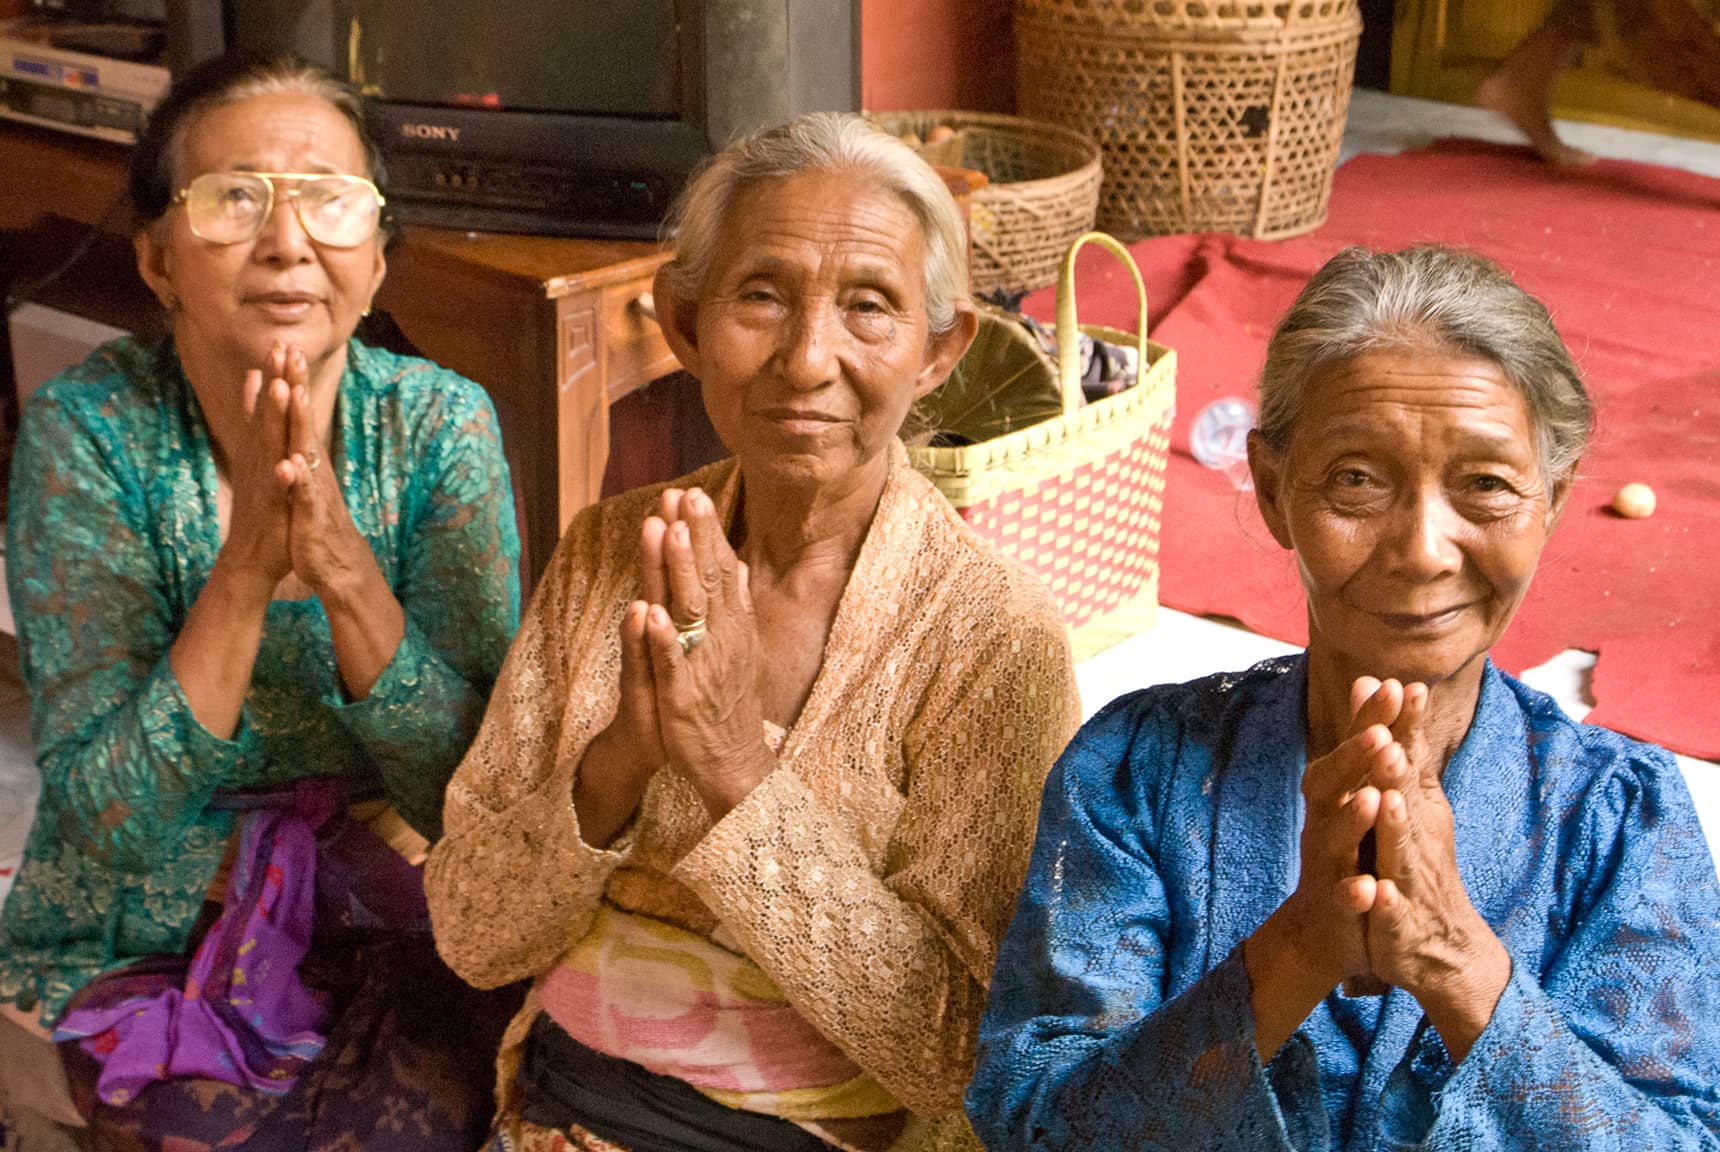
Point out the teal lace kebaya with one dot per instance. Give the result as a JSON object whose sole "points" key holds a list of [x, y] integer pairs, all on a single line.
{"points": [[111, 536]]}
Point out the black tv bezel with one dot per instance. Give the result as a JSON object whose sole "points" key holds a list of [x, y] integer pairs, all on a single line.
{"points": [[657, 151], [658, 147], [661, 153]]}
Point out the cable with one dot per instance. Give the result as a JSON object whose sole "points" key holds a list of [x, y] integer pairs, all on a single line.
{"points": [[23, 296]]}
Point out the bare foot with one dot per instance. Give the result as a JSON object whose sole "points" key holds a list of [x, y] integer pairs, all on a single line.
{"points": [[1521, 89], [1504, 93]]}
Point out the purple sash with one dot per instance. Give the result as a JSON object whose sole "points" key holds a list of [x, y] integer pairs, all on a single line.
{"points": [[238, 1011]]}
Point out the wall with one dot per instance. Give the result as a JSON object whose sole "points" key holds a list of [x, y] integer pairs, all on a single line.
{"points": [[937, 54]]}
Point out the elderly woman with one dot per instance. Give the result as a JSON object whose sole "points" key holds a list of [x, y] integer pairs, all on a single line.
{"points": [[754, 794], [1380, 895], [261, 572]]}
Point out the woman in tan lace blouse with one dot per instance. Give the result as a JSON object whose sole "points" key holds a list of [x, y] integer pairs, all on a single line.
{"points": [[757, 785]]}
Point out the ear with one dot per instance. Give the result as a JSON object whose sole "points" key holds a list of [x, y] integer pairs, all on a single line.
{"points": [[377, 274], [1559, 497], [944, 349], [1267, 466], [152, 264], [679, 324]]}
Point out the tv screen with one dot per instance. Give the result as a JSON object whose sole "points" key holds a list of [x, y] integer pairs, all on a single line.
{"points": [[590, 57]]}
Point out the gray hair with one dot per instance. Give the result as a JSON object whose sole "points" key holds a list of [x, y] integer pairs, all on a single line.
{"points": [[822, 142], [1428, 296]]}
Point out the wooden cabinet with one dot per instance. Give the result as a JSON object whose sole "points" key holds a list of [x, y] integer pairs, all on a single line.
{"points": [[1441, 49], [555, 331]]}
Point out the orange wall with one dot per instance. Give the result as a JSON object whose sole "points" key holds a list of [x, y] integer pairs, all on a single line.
{"points": [[937, 54]]}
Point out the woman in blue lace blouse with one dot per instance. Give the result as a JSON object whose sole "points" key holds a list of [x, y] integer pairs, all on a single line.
{"points": [[264, 577], [1380, 895]]}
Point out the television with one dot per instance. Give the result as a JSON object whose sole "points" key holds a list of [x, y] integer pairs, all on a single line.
{"points": [[567, 117]]}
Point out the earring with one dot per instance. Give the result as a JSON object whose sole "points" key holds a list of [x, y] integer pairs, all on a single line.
{"points": [[365, 313], [170, 300]]}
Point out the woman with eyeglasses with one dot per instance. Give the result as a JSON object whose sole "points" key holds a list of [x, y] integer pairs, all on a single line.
{"points": [[264, 577]]}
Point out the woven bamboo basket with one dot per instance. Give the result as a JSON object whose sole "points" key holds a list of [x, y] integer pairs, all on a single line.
{"points": [[1077, 498], [1213, 115], [1043, 192]]}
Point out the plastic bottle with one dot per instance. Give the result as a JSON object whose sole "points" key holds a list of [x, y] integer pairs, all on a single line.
{"points": [[1219, 438]]}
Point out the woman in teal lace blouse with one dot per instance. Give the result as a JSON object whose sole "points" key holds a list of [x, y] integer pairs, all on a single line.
{"points": [[264, 577]]}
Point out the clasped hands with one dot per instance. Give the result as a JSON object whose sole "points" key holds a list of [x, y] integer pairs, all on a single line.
{"points": [[288, 512], [1404, 917], [693, 707]]}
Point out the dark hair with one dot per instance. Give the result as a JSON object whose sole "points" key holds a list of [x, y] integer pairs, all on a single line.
{"points": [[227, 80]]}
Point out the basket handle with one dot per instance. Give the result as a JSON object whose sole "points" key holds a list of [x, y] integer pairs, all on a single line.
{"points": [[1069, 330]]}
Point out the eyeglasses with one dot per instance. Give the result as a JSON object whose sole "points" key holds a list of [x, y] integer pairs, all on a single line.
{"points": [[232, 207]]}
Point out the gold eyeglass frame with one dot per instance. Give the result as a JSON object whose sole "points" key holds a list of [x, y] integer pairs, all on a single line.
{"points": [[290, 194]]}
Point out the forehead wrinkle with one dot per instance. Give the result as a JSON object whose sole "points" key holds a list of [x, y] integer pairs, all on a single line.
{"points": [[1465, 400], [868, 215], [833, 257], [764, 263], [1486, 429], [1462, 392], [781, 241]]}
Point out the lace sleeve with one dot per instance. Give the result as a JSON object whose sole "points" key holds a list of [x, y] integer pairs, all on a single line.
{"points": [[1080, 1048], [893, 968], [125, 765], [512, 884], [460, 593], [1616, 1045]]}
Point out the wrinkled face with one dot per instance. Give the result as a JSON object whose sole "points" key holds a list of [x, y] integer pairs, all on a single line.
{"points": [[236, 300], [1413, 497], [811, 331]]}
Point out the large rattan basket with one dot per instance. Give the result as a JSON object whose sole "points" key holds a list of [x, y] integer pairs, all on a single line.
{"points": [[1076, 498], [1043, 192], [1212, 116]]}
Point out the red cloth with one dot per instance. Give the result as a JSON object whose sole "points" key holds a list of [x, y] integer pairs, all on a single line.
{"points": [[1627, 258]]}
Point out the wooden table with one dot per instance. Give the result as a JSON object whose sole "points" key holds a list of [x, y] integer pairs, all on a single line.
{"points": [[552, 328]]}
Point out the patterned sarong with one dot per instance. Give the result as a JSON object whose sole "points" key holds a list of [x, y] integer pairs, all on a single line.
{"points": [[680, 1005], [238, 1011], [322, 941]]}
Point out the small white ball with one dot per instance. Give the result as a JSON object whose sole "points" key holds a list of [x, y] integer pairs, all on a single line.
{"points": [[1634, 501]]}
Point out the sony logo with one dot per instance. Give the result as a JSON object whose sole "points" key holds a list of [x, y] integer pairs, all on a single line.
{"points": [[430, 132]]}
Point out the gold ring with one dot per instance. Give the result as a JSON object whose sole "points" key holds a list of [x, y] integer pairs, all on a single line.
{"points": [[690, 635], [313, 460]]}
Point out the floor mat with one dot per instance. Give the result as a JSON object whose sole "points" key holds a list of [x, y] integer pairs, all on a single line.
{"points": [[1627, 258]]}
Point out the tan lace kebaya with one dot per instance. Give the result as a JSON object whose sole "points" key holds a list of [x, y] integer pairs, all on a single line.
{"points": [[870, 876]]}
